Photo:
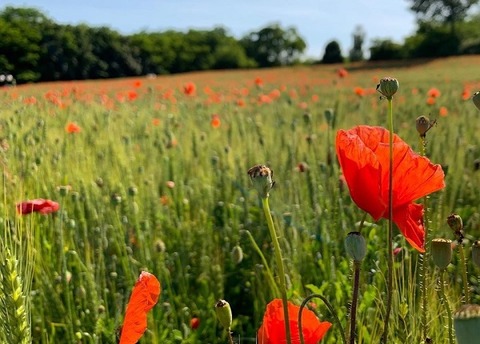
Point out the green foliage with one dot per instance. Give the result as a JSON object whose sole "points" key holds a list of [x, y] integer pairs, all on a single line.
{"points": [[356, 53], [274, 46], [333, 53], [385, 49]]}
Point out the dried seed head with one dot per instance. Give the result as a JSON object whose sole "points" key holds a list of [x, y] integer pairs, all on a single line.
{"points": [[423, 125], [224, 313], [441, 252], [262, 179], [356, 246], [476, 99], [388, 86], [455, 222], [466, 321]]}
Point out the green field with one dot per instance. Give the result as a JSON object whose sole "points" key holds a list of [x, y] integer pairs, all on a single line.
{"points": [[156, 180]]}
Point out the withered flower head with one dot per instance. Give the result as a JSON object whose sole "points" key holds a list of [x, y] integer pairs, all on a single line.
{"points": [[456, 224], [262, 179]]}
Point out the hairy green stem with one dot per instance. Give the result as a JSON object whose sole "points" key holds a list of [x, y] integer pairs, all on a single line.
{"points": [[265, 263], [390, 226], [281, 269], [444, 300], [464, 273], [424, 270], [330, 308], [353, 308]]}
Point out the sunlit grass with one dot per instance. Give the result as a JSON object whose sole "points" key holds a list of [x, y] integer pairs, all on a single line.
{"points": [[120, 214]]}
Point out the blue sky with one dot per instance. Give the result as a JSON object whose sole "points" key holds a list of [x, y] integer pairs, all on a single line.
{"points": [[317, 21]]}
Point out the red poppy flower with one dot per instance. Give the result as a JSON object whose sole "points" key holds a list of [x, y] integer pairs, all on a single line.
{"points": [[144, 297], [215, 121], [194, 323], [363, 153], [433, 92], [72, 128], [190, 89], [272, 330], [42, 206], [342, 73]]}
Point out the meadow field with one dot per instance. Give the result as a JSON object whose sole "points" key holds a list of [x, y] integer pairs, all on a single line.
{"points": [[150, 174]]}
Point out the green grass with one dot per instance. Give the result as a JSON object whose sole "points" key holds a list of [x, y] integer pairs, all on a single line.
{"points": [[120, 216]]}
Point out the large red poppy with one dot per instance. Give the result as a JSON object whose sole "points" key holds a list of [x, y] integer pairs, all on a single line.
{"points": [[144, 296], [272, 330], [363, 153], [40, 205]]}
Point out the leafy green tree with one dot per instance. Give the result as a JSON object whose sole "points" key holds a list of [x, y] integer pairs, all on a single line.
{"points": [[356, 53], [274, 46], [447, 11], [385, 49], [333, 53], [20, 36]]}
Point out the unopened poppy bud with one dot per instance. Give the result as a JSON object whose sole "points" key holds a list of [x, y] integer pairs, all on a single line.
{"points": [[237, 254], [356, 246], [466, 321], [441, 252], [423, 125], [224, 313], [329, 115], [455, 222], [476, 253], [388, 86], [476, 99], [261, 177]]}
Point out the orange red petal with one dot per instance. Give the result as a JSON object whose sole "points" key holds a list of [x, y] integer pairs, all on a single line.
{"points": [[144, 296]]}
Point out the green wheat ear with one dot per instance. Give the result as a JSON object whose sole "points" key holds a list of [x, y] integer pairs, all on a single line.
{"points": [[14, 323]]}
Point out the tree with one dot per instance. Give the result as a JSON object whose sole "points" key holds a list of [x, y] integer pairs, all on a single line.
{"points": [[446, 11], [385, 49], [333, 53], [356, 53], [274, 46]]}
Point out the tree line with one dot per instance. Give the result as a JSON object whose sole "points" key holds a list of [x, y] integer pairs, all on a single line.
{"points": [[35, 48]]}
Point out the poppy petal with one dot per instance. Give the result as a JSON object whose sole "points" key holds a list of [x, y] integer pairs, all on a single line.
{"points": [[144, 296], [409, 220], [272, 330], [361, 170]]}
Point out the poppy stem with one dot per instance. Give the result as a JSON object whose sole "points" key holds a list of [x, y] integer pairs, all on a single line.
{"points": [[230, 338], [264, 262], [330, 308], [390, 225], [444, 300], [424, 271], [353, 307], [281, 269], [464, 273]]}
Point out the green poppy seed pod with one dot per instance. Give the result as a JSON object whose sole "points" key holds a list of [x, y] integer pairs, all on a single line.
{"points": [[466, 321], [356, 246], [224, 313], [441, 252], [388, 86], [476, 99], [476, 253], [329, 115], [237, 254], [262, 179], [423, 125]]}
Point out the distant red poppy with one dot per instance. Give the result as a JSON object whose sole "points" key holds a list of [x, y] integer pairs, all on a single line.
{"points": [[73, 128], [359, 91], [144, 296], [215, 121], [363, 153], [342, 73], [42, 206], [194, 323], [466, 94], [272, 330], [258, 81], [190, 89], [433, 92], [443, 111], [431, 100]]}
